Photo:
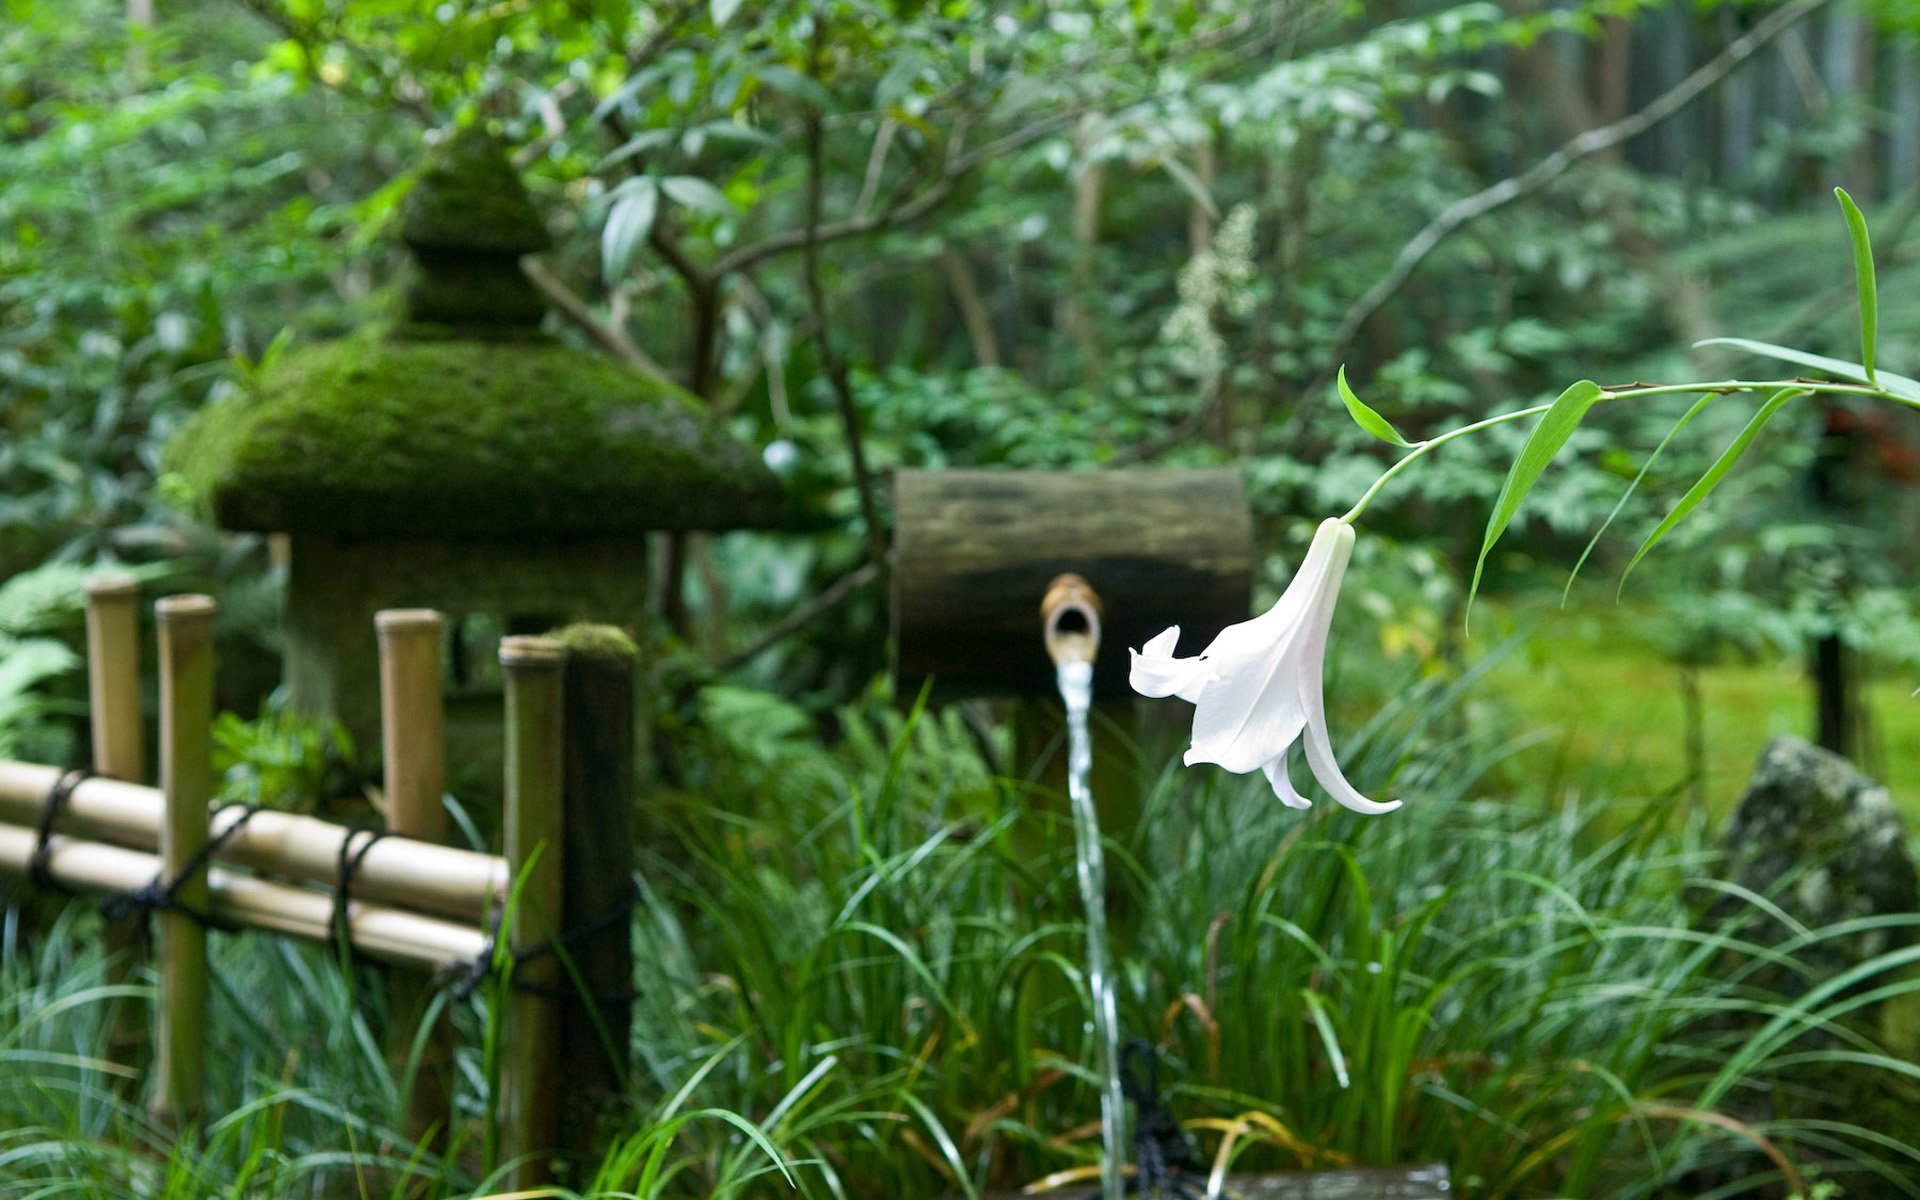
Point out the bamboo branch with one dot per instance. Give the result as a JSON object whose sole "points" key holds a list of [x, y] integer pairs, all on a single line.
{"points": [[1470, 208]]}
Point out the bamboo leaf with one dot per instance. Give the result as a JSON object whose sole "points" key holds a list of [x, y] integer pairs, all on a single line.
{"points": [[1899, 385], [1556, 426], [1863, 279], [1718, 471], [1366, 418]]}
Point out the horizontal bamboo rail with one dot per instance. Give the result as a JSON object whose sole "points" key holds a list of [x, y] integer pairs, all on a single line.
{"points": [[438, 879], [389, 934]]}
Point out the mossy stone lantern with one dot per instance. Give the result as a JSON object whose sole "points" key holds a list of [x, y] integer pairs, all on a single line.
{"points": [[459, 459]]}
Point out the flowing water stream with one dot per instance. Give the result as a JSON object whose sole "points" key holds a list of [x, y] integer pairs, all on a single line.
{"points": [[1075, 680]]}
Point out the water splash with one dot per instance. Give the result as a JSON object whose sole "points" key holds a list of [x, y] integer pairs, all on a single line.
{"points": [[1075, 680]]}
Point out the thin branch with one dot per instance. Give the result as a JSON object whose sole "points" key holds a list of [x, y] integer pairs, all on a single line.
{"points": [[605, 334], [801, 617], [834, 369], [1469, 208], [876, 164]]}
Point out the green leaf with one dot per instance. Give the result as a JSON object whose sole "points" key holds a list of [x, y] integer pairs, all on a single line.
{"points": [[695, 192], [629, 221], [721, 11], [1691, 413], [1556, 426], [1899, 385], [1715, 473], [1863, 279], [1366, 418]]}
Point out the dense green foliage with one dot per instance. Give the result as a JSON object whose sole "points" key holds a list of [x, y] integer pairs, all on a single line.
{"points": [[854, 954]]}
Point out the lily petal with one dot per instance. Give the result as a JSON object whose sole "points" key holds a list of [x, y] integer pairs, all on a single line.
{"points": [[1326, 769], [1156, 672], [1276, 772]]}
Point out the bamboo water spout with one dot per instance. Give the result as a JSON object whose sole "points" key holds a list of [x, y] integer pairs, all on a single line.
{"points": [[1070, 627], [1070, 617]]}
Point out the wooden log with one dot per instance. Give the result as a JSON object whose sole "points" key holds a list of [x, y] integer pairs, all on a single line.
{"points": [[186, 780], [420, 1043], [975, 550], [438, 879], [119, 751], [596, 1018], [535, 830], [390, 935]]}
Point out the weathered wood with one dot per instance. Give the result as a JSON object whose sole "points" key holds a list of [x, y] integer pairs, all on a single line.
{"points": [[1426, 1182], [438, 879], [413, 743], [596, 1016], [535, 830], [186, 780], [391, 935], [975, 550], [119, 751]]}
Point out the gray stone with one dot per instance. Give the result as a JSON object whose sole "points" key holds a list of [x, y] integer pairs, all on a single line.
{"points": [[1824, 842]]}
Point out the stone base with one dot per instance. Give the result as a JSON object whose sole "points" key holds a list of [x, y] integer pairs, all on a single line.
{"points": [[335, 586]]}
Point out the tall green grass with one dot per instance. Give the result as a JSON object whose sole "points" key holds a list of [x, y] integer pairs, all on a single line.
{"points": [[859, 978]]}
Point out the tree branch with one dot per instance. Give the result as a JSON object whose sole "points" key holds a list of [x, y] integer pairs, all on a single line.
{"points": [[832, 367], [1470, 208], [800, 617], [607, 336]]}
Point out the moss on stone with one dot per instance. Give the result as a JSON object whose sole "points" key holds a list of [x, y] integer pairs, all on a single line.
{"points": [[380, 437], [469, 198], [597, 641]]}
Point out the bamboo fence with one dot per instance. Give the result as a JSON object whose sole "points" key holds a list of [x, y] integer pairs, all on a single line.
{"points": [[431, 911]]}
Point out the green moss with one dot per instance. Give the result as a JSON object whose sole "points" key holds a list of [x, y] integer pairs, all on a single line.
{"points": [[469, 198], [379, 437], [597, 641]]}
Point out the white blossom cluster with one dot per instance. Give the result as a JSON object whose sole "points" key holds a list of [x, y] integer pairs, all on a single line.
{"points": [[1219, 277]]}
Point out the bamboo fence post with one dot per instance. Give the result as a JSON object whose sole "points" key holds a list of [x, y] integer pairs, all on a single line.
{"points": [[529, 1078], [113, 676], [596, 1019], [414, 763], [186, 779], [113, 701]]}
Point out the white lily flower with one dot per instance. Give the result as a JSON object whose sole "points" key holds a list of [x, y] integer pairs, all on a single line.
{"points": [[1256, 689]]}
